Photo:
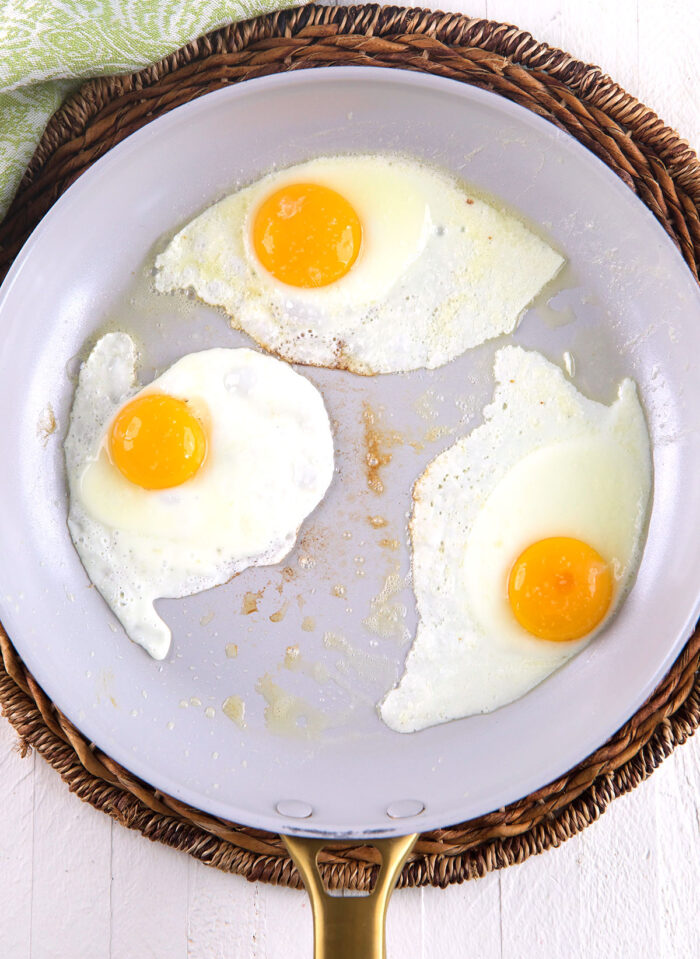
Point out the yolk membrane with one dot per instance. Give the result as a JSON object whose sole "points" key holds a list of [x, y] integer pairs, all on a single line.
{"points": [[156, 442], [306, 235], [560, 588]]}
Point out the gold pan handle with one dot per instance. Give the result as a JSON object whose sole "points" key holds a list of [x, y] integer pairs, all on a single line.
{"points": [[349, 927]]}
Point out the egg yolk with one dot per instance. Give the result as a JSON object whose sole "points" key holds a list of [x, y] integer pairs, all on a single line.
{"points": [[156, 442], [560, 588], [306, 235]]}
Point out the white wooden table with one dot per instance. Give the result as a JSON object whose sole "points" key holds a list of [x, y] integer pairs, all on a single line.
{"points": [[74, 885]]}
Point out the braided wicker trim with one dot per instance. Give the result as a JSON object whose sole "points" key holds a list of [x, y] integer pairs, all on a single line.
{"points": [[633, 141]]}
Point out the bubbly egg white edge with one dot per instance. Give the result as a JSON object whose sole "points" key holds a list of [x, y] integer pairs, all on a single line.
{"points": [[447, 678], [107, 380], [337, 326]]}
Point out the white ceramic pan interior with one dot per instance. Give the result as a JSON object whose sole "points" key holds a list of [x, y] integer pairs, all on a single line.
{"points": [[625, 306]]}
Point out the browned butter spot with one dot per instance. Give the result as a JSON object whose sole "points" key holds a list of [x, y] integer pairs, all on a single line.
{"points": [[279, 615], [378, 442], [389, 543], [47, 424], [314, 540], [250, 602], [377, 522], [288, 574]]}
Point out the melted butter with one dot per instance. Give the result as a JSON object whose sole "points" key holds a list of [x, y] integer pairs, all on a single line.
{"points": [[105, 686], [377, 443], [437, 432], [234, 708], [315, 546], [425, 406], [377, 522], [386, 617], [288, 574], [289, 715], [294, 662], [291, 656], [389, 543], [250, 602], [46, 424], [432, 435], [551, 309], [280, 614], [365, 665]]}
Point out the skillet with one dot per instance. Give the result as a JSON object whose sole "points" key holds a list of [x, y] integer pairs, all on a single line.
{"points": [[625, 306]]}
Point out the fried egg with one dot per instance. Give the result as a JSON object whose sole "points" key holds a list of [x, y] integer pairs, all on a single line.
{"points": [[526, 535], [374, 264], [176, 487]]}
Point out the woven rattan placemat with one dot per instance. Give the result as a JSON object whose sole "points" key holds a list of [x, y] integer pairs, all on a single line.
{"points": [[578, 98]]}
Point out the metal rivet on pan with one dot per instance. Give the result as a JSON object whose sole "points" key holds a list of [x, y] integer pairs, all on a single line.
{"points": [[405, 808], [294, 808]]}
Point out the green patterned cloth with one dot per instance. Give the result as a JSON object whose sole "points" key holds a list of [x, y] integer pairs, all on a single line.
{"points": [[49, 46]]}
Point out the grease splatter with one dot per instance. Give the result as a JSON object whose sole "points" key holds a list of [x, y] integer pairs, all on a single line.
{"points": [[392, 544], [377, 442], [250, 602], [295, 663], [386, 617], [234, 708], [280, 614], [377, 522], [368, 666], [46, 424], [289, 715]]}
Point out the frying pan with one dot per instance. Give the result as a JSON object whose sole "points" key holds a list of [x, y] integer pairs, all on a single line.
{"points": [[311, 759]]}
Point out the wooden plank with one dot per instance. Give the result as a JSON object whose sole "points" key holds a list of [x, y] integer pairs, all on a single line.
{"points": [[404, 924], [463, 920], [148, 898], [223, 915], [677, 788], [71, 873], [669, 67], [16, 842], [540, 905], [283, 924], [649, 48], [541, 19], [590, 32], [619, 857]]}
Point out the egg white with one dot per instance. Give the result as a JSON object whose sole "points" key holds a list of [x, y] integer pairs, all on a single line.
{"points": [[439, 270], [547, 461], [269, 463]]}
